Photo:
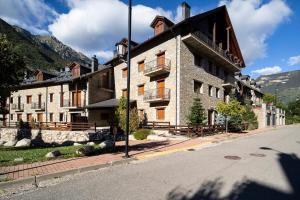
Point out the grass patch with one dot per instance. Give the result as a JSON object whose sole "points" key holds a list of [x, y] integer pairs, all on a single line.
{"points": [[30, 155]]}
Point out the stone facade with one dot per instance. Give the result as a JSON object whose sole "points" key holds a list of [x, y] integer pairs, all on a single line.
{"points": [[268, 116]]}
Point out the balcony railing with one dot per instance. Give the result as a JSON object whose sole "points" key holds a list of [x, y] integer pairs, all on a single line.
{"points": [[156, 95], [157, 66], [66, 103], [38, 106], [17, 107], [69, 104]]}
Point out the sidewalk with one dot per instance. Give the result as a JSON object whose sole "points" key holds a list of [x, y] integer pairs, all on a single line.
{"points": [[138, 150]]}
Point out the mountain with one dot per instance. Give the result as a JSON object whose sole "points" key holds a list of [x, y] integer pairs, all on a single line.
{"points": [[40, 51], [285, 85]]}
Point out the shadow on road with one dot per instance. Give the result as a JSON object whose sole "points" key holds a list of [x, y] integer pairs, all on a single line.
{"points": [[247, 189]]}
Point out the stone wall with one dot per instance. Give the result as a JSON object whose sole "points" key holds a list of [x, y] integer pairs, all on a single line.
{"points": [[48, 136]]}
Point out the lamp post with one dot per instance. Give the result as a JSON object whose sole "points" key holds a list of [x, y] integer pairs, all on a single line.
{"points": [[128, 80]]}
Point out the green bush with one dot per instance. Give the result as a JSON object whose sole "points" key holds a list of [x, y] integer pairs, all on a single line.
{"points": [[141, 134]]}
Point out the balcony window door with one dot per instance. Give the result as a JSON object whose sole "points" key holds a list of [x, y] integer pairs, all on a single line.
{"points": [[161, 60], [76, 99], [160, 88], [19, 102], [40, 117], [160, 113], [40, 101]]}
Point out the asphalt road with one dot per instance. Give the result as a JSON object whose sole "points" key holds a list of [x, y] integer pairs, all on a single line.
{"points": [[268, 168]]}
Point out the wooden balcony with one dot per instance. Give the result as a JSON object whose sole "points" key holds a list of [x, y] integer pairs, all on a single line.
{"points": [[202, 43], [157, 67], [157, 95]]}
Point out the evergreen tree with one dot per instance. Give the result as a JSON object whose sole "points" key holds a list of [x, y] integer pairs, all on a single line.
{"points": [[197, 113], [121, 116]]}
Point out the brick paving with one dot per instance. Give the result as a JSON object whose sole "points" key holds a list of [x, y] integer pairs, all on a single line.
{"points": [[138, 149]]}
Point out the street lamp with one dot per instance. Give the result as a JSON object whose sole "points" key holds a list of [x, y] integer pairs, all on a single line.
{"points": [[128, 81]]}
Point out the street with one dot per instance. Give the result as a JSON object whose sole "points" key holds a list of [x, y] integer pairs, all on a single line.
{"points": [[262, 166]]}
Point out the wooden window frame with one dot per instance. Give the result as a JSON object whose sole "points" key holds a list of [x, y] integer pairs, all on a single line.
{"points": [[29, 99], [163, 113], [141, 66], [125, 75], [141, 93]]}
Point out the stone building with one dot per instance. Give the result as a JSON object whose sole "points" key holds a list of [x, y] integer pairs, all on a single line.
{"points": [[61, 96], [197, 57]]}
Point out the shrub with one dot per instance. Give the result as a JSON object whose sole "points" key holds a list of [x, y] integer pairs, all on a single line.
{"points": [[141, 134]]}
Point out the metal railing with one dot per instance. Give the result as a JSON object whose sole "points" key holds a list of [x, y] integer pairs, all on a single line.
{"points": [[18, 106], [38, 105], [66, 103], [158, 93], [157, 64], [225, 54]]}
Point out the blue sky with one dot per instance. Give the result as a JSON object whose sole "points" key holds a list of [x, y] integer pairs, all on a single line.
{"points": [[268, 30]]}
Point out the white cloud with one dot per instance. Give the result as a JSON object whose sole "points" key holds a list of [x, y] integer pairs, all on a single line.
{"points": [[267, 70], [106, 55], [32, 15], [294, 60], [93, 25], [254, 22]]}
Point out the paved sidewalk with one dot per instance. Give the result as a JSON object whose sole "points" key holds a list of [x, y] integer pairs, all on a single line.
{"points": [[138, 150]]}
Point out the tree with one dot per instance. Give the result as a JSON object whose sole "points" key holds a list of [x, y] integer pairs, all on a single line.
{"points": [[197, 113], [269, 98], [121, 116], [234, 110], [12, 72], [250, 118], [293, 112]]}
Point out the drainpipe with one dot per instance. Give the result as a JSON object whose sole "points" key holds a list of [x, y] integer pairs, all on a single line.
{"points": [[46, 105]]}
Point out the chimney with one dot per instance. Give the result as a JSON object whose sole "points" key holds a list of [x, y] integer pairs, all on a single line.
{"points": [[186, 10], [94, 63]]}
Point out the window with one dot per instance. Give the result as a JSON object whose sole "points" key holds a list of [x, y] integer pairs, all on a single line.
{"points": [[210, 67], [124, 93], [104, 116], [29, 117], [61, 99], [141, 90], [11, 100], [141, 66], [198, 87], [11, 117], [51, 97], [40, 117], [198, 60], [160, 113], [76, 71], [217, 92], [40, 76], [28, 99], [210, 90], [159, 27], [19, 117], [61, 117], [141, 115], [125, 72], [217, 70], [51, 117]]}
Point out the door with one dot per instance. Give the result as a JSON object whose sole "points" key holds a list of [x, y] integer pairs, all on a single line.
{"points": [[161, 88], [40, 101], [73, 99], [161, 60], [210, 117], [78, 98]]}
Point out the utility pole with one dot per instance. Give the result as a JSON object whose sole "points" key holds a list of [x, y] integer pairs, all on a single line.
{"points": [[128, 81]]}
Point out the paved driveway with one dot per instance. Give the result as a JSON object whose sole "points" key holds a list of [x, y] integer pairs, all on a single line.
{"points": [[263, 166]]}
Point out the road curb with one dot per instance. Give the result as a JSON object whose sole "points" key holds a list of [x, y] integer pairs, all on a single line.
{"points": [[36, 179]]}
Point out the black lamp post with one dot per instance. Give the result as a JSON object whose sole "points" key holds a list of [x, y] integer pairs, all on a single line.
{"points": [[128, 81]]}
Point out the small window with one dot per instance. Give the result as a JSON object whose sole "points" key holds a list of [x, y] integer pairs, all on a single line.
{"points": [[61, 117], [51, 117], [19, 117], [11, 117], [141, 90], [29, 117], [28, 99], [210, 67], [51, 97], [217, 92], [160, 113], [198, 87], [124, 93], [198, 60], [11, 100], [40, 117], [141, 66], [125, 72], [210, 90], [104, 116]]}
